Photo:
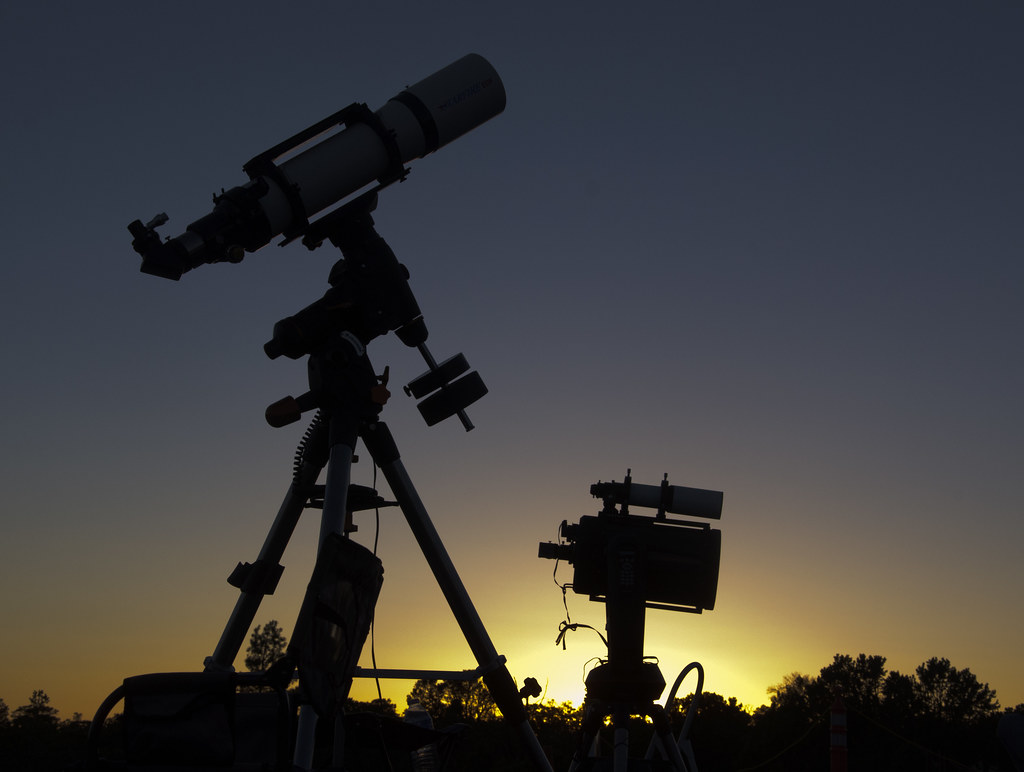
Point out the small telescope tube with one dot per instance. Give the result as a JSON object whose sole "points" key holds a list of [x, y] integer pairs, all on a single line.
{"points": [[677, 500], [673, 499]]}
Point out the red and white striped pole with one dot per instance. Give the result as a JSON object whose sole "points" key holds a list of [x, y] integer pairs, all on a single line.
{"points": [[837, 734]]}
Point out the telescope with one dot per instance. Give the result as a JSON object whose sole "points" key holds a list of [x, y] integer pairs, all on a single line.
{"points": [[673, 499], [672, 563], [631, 563], [347, 151]]}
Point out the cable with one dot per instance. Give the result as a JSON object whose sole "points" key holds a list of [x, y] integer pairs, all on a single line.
{"points": [[683, 740], [376, 540], [566, 626], [691, 712]]}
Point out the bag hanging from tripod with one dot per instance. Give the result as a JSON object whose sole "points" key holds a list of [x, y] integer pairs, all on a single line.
{"points": [[334, 621]]}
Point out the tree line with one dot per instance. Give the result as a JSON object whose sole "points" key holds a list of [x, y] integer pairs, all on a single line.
{"points": [[936, 718]]}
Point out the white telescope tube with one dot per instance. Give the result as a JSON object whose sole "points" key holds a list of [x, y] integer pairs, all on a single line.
{"points": [[421, 119], [288, 186]]}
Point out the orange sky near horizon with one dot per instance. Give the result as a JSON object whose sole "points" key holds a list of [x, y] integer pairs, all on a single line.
{"points": [[744, 644]]}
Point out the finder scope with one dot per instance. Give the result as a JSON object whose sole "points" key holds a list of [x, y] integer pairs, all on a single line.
{"points": [[671, 499]]}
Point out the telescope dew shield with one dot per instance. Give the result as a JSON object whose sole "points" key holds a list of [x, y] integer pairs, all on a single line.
{"points": [[454, 100]]}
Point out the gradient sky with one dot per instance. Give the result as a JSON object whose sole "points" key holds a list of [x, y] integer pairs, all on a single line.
{"points": [[769, 248]]}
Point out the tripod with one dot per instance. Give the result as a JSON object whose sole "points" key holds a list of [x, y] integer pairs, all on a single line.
{"points": [[624, 685], [261, 576], [369, 297]]}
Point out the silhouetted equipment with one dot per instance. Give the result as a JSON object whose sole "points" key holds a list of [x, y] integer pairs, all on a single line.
{"points": [[290, 183], [186, 720], [369, 297], [179, 721], [632, 563], [667, 563]]}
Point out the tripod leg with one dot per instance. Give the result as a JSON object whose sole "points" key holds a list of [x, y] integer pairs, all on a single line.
{"points": [[499, 681], [593, 718], [339, 474], [269, 559], [620, 740], [663, 731]]}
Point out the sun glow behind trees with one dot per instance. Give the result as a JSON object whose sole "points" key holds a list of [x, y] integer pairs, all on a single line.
{"points": [[937, 713]]}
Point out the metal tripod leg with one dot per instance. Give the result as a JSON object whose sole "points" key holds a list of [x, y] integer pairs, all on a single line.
{"points": [[339, 475], [620, 714], [381, 445], [258, 580]]}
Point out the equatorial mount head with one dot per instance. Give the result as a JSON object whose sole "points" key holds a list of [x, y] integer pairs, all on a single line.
{"points": [[369, 297]]}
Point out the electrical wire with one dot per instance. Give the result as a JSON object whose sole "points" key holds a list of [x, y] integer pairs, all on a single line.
{"points": [[568, 625], [376, 540]]}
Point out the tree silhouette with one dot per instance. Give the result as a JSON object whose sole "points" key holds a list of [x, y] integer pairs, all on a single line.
{"points": [[720, 729], [901, 698], [39, 713], [953, 696], [794, 694], [938, 713], [266, 646], [381, 706], [860, 681], [450, 702], [937, 717]]}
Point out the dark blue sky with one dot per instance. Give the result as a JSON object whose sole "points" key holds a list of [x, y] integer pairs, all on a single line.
{"points": [[771, 248]]}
